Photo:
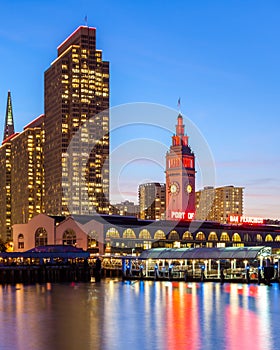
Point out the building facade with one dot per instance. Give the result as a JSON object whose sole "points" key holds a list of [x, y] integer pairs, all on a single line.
{"points": [[114, 234], [125, 208], [21, 177], [217, 204], [27, 172], [152, 201], [6, 172], [77, 127], [5, 190], [180, 176]]}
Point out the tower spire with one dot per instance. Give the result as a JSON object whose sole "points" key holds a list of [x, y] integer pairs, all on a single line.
{"points": [[9, 120], [180, 138]]}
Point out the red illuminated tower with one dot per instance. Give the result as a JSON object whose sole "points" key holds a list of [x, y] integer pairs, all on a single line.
{"points": [[180, 176]]}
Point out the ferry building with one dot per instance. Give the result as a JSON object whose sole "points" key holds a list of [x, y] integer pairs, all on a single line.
{"points": [[113, 234]]}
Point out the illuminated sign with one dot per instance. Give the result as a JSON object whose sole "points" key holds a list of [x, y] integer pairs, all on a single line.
{"points": [[182, 215], [240, 219]]}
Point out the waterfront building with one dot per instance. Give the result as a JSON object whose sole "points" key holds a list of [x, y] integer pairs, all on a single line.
{"points": [[114, 234], [76, 94], [152, 201], [217, 204], [27, 172], [180, 176]]}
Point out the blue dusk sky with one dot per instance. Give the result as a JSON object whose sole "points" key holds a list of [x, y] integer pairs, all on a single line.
{"points": [[220, 57]]}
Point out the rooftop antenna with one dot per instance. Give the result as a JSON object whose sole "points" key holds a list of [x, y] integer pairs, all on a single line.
{"points": [[86, 21]]}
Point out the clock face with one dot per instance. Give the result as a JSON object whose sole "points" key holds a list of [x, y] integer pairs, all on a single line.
{"points": [[188, 188], [174, 188]]}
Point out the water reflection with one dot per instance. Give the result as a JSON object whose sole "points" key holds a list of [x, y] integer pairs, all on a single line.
{"points": [[139, 315]]}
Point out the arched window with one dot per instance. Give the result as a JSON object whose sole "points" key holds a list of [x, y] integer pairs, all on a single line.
{"points": [[144, 234], [92, 239], [20, 241], [259, 238], [174, 235], [159, 234], [41, 237], [69, 237], [187, 236], [212, 236], [200, 236], [236, 237], [268, 238], [277, 238], [224, 237], [112, 233], [129, 233]]}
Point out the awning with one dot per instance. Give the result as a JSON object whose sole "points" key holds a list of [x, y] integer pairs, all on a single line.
{"points": [[206, 253]]}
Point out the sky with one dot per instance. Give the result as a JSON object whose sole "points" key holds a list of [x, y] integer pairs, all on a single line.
{"points": [[220, 57]]}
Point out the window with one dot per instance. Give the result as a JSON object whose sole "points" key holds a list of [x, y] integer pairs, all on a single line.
{"points": [[236, 237], [92, 239], [129, 233], [159, 234], [268, 238], [173, 235], [212, 236], [41, 237], [69, 237], [224, 237], [187, 236], [200, 236], [144, 234], [112, 233], [20, 241]]}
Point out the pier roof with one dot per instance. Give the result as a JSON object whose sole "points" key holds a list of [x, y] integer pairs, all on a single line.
{"points": [[206, 253]]}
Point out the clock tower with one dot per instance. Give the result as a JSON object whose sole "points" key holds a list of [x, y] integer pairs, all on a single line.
{"points": [[180, 176]]}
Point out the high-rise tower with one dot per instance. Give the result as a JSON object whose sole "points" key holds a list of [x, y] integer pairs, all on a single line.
{"points": [[76, 94], [5, 173], [9, 129], [180, 176], [152, 201], [27, 172]]}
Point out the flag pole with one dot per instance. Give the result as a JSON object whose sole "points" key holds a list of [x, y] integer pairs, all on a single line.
{"points": [[179, 105]]}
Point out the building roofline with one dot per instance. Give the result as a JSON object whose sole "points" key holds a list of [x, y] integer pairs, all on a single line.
{"points": [[41, 116], [72, 34]]}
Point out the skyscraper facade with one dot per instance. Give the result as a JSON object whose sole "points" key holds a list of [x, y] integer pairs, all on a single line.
{"points": [[5, 173], [180, 176], [216, 204], [27, 172], [5, 189], [77, 128], [152, 201]]}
